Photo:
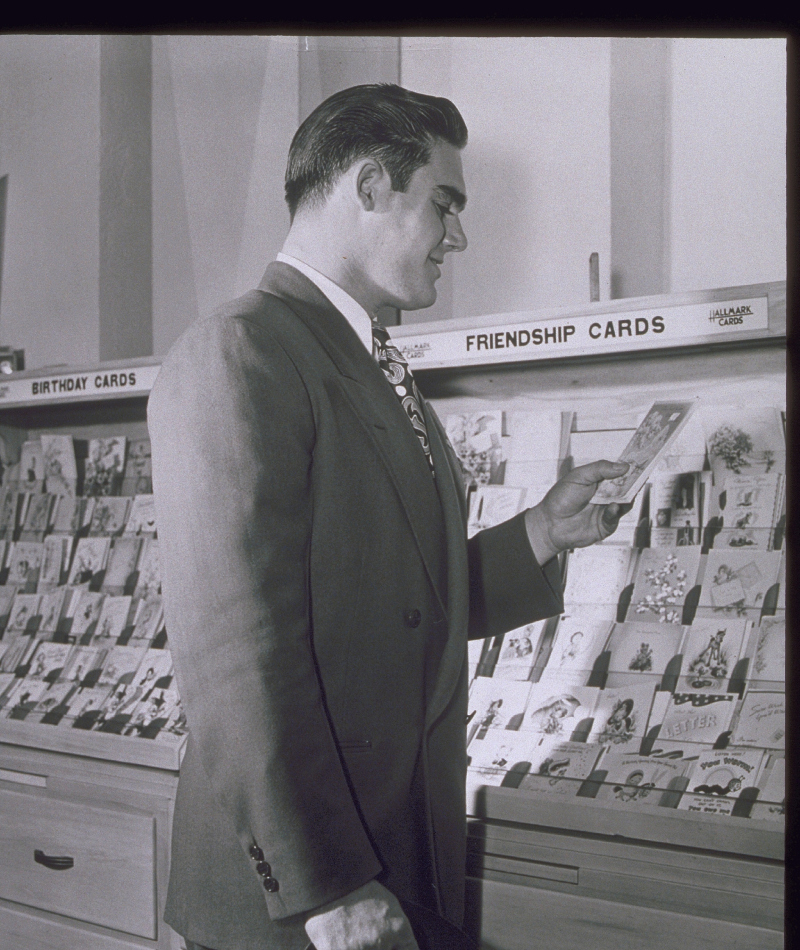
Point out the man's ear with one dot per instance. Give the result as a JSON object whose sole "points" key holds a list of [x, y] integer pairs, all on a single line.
{"points": [[371, 181]]}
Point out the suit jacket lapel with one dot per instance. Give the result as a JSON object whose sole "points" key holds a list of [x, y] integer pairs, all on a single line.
{"points": [[451, 492], [375, 404]]}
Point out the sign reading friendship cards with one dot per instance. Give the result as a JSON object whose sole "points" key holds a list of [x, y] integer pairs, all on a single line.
{"points": [[520, 339]]}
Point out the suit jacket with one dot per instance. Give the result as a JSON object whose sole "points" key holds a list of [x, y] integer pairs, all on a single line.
{"points": [[318, 591]]}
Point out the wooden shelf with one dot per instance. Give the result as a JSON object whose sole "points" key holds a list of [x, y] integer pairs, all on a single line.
{"points": [[648, 823], [129, 750]]}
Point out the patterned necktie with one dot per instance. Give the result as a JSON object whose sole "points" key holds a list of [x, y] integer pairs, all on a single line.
{"points": [[396, 370]]}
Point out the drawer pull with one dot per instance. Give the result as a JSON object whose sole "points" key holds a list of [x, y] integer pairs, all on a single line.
{"points": [[52, 861]]}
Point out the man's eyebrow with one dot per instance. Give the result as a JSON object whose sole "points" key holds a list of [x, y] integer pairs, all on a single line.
{"points": [[458, 198]]}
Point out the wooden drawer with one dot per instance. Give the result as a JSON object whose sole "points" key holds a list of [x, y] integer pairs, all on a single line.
{"points": [[111, 877]]}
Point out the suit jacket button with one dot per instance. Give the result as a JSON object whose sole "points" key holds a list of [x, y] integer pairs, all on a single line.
{"points": [[256, 853], [263, 869], [270, 884], [413, 618]]}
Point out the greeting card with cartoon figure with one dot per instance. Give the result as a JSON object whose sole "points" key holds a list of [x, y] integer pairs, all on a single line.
{"points": [[105, 466], [633, 780], [580, 637], [641, 650], [719, 777], [519, 651], [495, 704], [91, 555], [621, 714], [553, 711], [559, 768], [735, 583], [60, 468], [711, 651], [477, 440]]}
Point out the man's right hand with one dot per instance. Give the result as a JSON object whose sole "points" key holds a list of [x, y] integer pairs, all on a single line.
{"points": [[369, 918]]}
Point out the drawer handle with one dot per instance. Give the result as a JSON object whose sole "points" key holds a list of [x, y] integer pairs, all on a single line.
{"points": [[52, 861]]}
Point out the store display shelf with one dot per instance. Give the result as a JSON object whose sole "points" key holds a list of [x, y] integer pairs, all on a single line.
{"points": [[110, 748], [647, 824]]}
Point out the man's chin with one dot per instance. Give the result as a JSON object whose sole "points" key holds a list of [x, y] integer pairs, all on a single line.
{"points": [[421, 301]]}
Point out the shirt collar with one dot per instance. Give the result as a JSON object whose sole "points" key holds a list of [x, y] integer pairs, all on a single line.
{"points": [[350, 309]]}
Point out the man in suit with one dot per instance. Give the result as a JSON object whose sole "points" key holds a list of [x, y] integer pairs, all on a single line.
{"points": [[319, 588]]}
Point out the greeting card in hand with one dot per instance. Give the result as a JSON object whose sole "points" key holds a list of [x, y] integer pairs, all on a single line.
{"points": [[663, 422]]}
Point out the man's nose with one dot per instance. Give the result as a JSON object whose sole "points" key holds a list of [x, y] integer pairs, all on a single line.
{"points": [[455, 239]]}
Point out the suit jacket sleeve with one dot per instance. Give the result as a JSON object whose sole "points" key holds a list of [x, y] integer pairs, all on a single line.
{"points": [[232, 436], [507, 586]]}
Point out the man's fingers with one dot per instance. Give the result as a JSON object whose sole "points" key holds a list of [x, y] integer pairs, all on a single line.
{"points": [[597, 471]]}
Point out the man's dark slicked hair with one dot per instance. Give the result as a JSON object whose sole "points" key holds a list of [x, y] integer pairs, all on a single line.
{"points": [[380, 120]]}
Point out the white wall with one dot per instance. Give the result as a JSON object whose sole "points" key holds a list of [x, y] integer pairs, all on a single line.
{"points": [[537, 169], [50, 150], [728, 175], [224, 112], [536, 166]]}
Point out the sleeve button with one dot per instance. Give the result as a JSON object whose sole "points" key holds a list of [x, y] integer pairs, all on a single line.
{"points": [[270, 885], [413, 618], [263, 869], [256, 853]]}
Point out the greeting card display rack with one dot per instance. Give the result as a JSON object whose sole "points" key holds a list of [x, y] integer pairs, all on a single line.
{"points": [[582, 871], [599, 873]]}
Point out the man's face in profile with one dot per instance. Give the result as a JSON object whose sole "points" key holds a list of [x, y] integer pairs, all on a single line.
{"points": [[417, 228]]}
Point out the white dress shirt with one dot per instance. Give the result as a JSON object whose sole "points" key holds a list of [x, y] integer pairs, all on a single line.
{"points": [[351, 309]]}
